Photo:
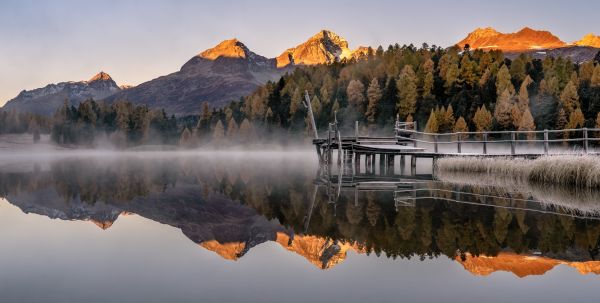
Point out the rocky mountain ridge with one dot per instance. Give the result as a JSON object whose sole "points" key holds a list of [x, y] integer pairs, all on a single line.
{"points": [[47, 99]]}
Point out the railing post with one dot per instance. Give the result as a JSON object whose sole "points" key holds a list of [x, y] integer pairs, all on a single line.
{"points": [[512, 142], [329, 144], [435, 143], [545, 141], [458, 143], [415, 125], [585, 139], [356, 130], [485, 138]]}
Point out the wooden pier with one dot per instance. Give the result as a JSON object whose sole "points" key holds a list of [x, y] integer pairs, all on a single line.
{"points": [[409, 143]]}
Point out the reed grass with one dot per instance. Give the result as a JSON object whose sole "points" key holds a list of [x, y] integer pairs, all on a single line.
{"points": [[581, 171], [569, 182]]}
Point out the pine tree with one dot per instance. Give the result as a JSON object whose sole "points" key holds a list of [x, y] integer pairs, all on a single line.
{"points": [[597, 125], [428, 83], [407, 91], [576, 119], [503, 82], [232, 129], [586, 71], [527, 124], [446, 123], [483, 119], [185, 138], [503, 110], [523, 98], [569, 98], [374, 95], [561, 122], [246, 131], [218, 132], [432, 124], [356, 94], [595, 80], [451, 77], [461, 126]]}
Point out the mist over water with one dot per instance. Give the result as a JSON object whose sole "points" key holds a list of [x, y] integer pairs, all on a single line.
{"points": [[271, 225]]}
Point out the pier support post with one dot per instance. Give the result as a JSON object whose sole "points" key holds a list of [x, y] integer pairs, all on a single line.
{"points": [[413, 165], [382, 164], [585, 140], [390, 164], [485, 138], [459, 143], [512, 142], [402, 164], [356, 163], [435, 143], [545, 141]]}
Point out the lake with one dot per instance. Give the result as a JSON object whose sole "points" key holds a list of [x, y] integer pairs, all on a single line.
{"points": [[201, 226]]}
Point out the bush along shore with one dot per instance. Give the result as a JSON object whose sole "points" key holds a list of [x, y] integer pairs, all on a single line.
{"points": [[580, 171]]}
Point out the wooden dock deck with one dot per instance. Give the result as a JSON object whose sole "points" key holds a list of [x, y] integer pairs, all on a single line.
{"points": [[407, 142]]}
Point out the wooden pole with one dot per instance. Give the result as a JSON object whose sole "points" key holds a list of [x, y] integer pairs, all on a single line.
{"points": [[545, 141], [512, 142], [485, 139], [435, 143], [356, 131], [310, 113], [402, 164], [459, 143], [413, 165], [585, 139]]}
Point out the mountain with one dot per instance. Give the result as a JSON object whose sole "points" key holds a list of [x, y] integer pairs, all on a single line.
{"points": [[522, 265], [589, 40], [47, 99], [523, 40], [324, 47], [217, 75], [229, 71]]}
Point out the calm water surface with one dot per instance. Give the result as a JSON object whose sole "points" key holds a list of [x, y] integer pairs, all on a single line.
{"points": [[273, 227]]}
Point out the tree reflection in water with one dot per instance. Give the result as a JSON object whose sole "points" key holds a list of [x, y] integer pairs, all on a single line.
{"points": [[231, 206]]}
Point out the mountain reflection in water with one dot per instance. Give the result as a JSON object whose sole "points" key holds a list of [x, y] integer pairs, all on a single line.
{"points": [[230, 206]]}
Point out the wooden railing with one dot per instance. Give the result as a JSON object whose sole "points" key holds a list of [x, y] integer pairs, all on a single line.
{"points": [[566, 136]]}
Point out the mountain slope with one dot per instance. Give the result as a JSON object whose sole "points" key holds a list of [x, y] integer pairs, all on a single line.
{"points": [[324, 47], [589, 40], [523, 40], [229, 71], [47, 99], [218, 75]]}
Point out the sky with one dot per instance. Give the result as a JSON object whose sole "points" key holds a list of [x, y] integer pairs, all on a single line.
{"points": [[134, 41]]}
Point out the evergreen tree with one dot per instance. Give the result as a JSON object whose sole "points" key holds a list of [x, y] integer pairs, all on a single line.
{"points": [[218, 133], [356, 94], [461, 126], [185, 138], [576, 119], [527, 124], [483, 119], [232, 129], [374, 95], [503, 82], [569, 98], [503, 109], [432, 124], [595, 79], [407, 91]]}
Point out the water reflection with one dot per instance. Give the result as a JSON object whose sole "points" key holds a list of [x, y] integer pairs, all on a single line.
{"points": [[230, 205]]}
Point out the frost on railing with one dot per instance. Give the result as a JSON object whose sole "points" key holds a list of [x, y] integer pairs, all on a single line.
{"points": [[582, 137]]}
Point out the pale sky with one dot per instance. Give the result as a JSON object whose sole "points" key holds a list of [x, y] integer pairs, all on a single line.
{"points": [[44, 42]]}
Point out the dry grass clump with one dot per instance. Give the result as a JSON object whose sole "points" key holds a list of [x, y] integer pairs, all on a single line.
{"points": [[581, 171]]}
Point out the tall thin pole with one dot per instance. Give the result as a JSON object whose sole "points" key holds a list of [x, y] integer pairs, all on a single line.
{"points": [[310, 113]]}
